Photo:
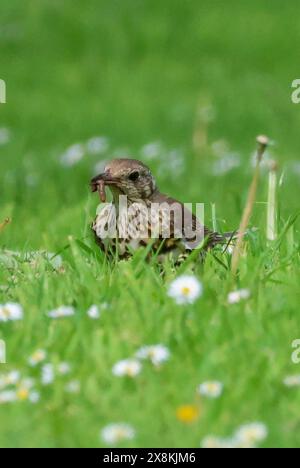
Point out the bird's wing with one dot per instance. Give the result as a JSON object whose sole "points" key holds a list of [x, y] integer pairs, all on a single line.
{"points": [[187, 224]]}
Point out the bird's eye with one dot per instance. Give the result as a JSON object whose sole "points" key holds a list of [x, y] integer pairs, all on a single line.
{"points": [[134, 176]]}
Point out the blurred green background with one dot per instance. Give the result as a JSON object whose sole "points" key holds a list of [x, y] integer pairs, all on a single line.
{"points": [[135, 72]]}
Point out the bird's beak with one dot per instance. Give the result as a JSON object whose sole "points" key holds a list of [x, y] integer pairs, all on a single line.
{"points": [[99, 182], [101, 179]]}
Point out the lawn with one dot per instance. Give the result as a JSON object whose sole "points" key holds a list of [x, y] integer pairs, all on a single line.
{"points": [[186, 87]]}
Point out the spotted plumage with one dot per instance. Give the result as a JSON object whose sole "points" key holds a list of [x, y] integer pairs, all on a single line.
{"points": [[141, 216]]}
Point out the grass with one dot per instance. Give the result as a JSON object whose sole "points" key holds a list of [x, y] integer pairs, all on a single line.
{"points": [[136, 72]]}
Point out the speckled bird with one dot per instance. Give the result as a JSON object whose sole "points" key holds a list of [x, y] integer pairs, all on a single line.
{"points": [[147, 212]]}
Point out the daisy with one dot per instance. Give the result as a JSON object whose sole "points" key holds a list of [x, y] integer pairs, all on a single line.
{"points": [[37, 357], [115, 433], [211, 442], [8, 396], [97, 145], [236, 296], [219, 148], [47, 374], [9, 379], [10, 311], [94, 312], [128, 367], [72, 155], [27, 383], [292, 381], [156, 353], [225, 164], [211, 389], [62, 311], [73, 386], [175, 160], [24, 393], [185, 289], [34, 397], [12, 377], [4, 135], [151, 150], [64, 368], [249, 434]]}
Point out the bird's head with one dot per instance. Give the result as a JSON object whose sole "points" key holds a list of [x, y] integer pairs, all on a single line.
{"points": [[128, 177]]}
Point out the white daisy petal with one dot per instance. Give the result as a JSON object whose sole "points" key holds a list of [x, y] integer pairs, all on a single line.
{"points": [[62, 311], [185, 289], [115, 433], [10, 312], [37, 357], [250, 434], [217, 442], [292, 381], [127, 367], [157, 354], [237, 296], [8, 396], [34, 397], [73, 386], [72, 155], [64, 368], [97, 145], [47, 374], [211, 389], [94, 312]]}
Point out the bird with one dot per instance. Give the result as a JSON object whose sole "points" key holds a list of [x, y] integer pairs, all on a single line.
{"points": [[140, 216]]}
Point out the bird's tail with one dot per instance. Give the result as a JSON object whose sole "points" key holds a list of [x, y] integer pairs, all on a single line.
{"points": [[226, 239]]}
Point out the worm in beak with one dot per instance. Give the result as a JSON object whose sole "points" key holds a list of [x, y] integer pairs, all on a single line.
{"points": [[98, 185], [101, 191]]}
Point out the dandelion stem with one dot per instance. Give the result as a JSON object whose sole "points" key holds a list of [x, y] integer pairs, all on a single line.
{"points": [[262, 144]]}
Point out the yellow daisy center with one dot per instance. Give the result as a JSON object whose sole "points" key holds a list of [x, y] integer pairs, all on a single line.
{"points": [[6, 312], [185, 290], [130, 371], [22, 394]]}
